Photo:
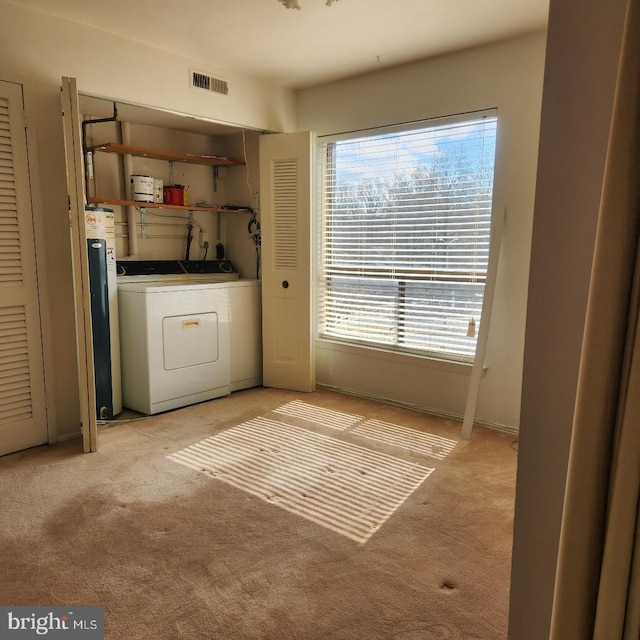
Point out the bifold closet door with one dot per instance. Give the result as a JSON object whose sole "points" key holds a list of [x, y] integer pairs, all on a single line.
{"points": [[23, 421], [287, 315]]}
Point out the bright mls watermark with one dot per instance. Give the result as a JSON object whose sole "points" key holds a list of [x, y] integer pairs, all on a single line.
{"points": [[74, 623]]}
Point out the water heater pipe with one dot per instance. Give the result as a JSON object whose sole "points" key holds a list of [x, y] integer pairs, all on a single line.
{"points": [[85, 147], [132, 220]]}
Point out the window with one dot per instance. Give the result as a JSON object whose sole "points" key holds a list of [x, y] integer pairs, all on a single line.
{"points": [[405, 223]]}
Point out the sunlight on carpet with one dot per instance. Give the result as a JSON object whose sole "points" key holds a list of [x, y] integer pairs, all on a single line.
{"points": [[344, 487], [409, 439], [319, 415]]}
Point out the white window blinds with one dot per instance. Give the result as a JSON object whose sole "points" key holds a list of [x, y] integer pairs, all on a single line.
{"points": [[406, 218]]}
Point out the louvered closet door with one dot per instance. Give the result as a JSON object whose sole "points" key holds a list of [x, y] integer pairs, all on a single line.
{"points": [[287, 318], [22, 413]]}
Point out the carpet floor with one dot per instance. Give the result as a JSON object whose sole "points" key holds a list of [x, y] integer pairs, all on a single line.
{"points": [[268, 514]]}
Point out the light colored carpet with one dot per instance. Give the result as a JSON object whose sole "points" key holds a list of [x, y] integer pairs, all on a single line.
{"points": [[172, 551], [344, 487], [318, 415], [408, 439]]}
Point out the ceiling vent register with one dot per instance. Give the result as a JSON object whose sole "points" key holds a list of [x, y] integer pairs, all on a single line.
{"points": [[209, 83]]}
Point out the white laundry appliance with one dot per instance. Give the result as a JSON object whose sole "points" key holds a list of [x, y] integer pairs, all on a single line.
{"points": [[101, 259], [185, 338], [245, 332]]}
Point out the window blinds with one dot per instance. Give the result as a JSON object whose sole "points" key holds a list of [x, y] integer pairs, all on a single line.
{"points": [[406, 218]]}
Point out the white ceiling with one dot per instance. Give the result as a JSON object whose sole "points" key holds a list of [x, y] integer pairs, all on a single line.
{"points": [[263, 39]]}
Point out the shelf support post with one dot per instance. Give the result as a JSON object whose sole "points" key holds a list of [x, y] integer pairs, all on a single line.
{"points": [[143, 222]]}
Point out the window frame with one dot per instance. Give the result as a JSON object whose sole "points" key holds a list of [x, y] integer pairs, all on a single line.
{"points": [[325, 163]]}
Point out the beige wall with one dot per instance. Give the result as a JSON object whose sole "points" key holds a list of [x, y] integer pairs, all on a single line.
{"points": [[581, 63], [36, 50], [508, 76]]}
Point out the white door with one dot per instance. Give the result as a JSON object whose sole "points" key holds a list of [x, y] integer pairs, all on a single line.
{"points": [[23, 421], [75, 188], [286, 164]]}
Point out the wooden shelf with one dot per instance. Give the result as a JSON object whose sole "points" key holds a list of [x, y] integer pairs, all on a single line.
{"points": [[153, 205], [212, 161]]}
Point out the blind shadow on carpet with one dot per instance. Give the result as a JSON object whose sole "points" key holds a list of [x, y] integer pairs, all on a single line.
{"points": [[348, 488]]}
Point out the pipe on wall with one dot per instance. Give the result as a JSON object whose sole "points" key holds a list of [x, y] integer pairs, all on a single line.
{"points": [[132, 220]]}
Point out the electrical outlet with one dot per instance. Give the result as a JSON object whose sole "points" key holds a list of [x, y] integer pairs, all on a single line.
{"points": [[204, 240]]}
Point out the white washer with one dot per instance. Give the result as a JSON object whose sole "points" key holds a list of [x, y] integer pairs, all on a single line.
{"points": [[175, 343], [245, 305]]}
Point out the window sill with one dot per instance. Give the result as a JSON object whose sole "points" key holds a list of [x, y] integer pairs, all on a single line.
{"points": [[410, 359]]}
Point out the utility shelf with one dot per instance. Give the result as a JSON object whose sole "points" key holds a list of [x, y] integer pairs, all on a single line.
{"points": [[211, 161], [154, 205]]}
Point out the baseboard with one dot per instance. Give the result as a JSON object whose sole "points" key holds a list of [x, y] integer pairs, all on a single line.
{"points": [[67, 437]]}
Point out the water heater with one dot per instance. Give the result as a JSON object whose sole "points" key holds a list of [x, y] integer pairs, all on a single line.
{"points": [[103, 288]]}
